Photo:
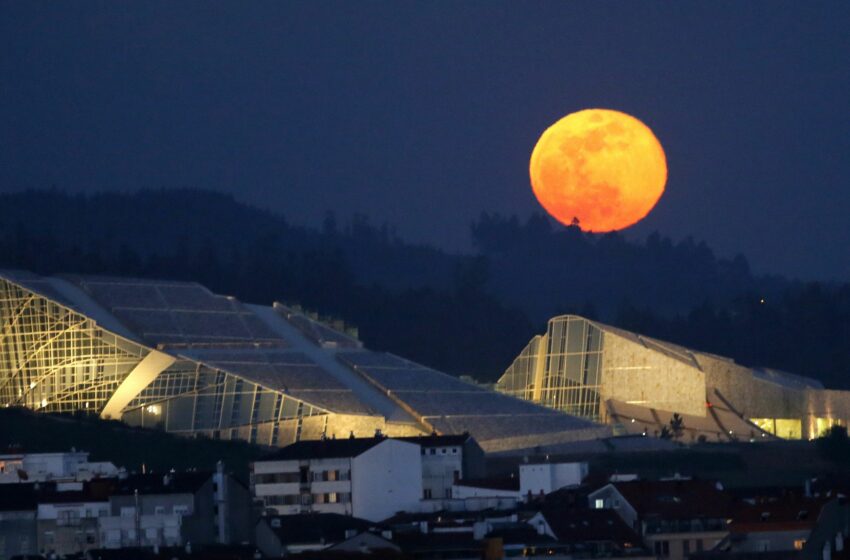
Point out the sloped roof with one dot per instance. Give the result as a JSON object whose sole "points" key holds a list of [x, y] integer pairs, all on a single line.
{"points": [[325, 449], [676, 499], [576, 526], [787, 513], [163, 483], [314, 527]]}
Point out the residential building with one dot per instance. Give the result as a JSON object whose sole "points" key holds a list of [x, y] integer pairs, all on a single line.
{"points": [[370, 478], [278, 536], [597, 533], [446, 460], [673, 517], [68, 515], [545, 478], [61, 466], [173, 509], [18, 520]]}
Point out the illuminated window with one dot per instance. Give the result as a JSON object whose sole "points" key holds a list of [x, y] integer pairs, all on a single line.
{"points": [[799, 544]]}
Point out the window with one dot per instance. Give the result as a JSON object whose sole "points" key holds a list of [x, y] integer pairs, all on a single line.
{"points": [[448, 492], [598, 503], [433, 451], [686, 547], [333, 498], [443, 451], [427, 493], [181, 510], [799, 544], [128, 511], [159, 510], [454, 450], [699, 546]]}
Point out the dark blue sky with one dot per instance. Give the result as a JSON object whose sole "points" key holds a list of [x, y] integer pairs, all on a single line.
{"points": [[424, 114]]}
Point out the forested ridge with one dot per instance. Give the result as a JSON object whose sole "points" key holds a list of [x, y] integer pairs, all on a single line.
{"points": [[465, 314]]}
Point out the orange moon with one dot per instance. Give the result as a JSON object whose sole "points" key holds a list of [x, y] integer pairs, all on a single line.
{"points": [[602, 167]]}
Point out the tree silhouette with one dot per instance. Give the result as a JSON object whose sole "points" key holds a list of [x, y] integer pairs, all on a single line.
{"points": [[677, 425]]}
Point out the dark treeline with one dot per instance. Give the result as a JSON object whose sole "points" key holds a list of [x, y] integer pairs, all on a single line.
{"points": [[414, 301], [466, 314]]}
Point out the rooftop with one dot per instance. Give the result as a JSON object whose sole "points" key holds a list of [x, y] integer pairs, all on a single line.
{"points": [[676, 499], [325, 449], [315, 527]]}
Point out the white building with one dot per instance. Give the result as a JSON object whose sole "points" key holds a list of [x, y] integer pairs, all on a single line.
{"points": [[369, 478], [67, 517], [544, 478], [445, 461], [43, 467]]}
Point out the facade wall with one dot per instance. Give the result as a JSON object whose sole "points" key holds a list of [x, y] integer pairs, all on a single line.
{"points": [[441, 468], [386, 479], [636, 374], [18, 533], [658, 375], [752, 397], [296, 486], [608, 497], [548, 477]]}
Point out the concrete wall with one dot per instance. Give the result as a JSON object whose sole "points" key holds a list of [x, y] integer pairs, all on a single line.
{"points": [[548, 477], [438, 470], [18, 533], [386, 479]]}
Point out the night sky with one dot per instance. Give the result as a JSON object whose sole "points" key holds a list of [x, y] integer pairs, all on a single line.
{"points": [[425, 114]]}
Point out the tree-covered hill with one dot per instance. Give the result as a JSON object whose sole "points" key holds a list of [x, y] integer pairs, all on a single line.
{"points": [[465, 314]]}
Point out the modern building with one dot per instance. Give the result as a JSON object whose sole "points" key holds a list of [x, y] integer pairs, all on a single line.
{"points": [[174, 355], [370, 478], [641, 385]]}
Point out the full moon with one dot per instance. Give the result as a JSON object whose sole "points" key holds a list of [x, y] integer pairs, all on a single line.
{"points": [[600, 169]]}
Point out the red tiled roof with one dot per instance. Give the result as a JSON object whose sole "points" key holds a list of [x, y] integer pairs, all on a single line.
{"points": [[589, 525], [790, 513], [676, 499]]}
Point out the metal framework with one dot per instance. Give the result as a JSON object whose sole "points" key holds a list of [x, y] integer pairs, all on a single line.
{"points": [[561, 370], [54, 359]]}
